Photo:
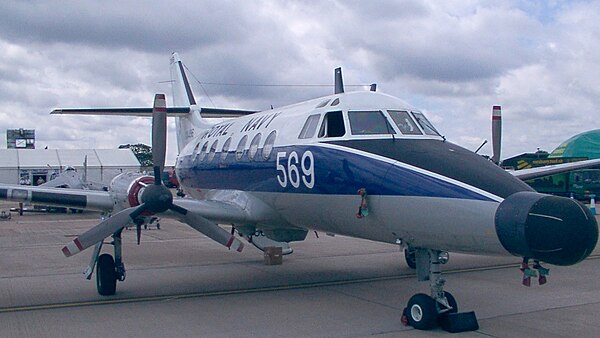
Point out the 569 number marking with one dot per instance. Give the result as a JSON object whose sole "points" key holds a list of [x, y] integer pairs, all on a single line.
{"points": [[295, 169]]}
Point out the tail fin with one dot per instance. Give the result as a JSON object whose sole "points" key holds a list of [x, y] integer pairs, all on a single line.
{"points": [[187, 126], [182, 92]]}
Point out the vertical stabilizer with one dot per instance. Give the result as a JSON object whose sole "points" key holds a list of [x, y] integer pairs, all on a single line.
{"points": [[496, 133], [187, 127], [182, 92]]}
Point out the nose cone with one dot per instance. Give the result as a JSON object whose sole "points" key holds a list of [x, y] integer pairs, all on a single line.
{"points": [[556, 230]]}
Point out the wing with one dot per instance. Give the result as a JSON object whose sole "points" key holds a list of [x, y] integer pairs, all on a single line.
{"points": [[69, 198], [527, 174]]}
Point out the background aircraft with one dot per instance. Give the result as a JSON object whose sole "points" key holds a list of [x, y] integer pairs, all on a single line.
{"points": [[362, 164]]}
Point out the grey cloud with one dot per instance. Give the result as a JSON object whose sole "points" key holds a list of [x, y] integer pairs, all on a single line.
{"points": [[110, 24]]}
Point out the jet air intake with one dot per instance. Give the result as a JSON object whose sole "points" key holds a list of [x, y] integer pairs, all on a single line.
{"points": [[555, 230]]}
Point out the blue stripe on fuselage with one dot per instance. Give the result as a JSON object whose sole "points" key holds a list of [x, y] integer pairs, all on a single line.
{"points": [[336, 171]]}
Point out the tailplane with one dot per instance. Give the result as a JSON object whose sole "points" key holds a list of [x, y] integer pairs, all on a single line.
{"points": [[190, 118]]}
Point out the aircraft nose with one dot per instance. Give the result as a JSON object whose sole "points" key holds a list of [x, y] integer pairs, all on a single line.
{"points": [[555, 230]]}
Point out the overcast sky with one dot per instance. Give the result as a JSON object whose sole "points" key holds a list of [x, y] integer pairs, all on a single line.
{"points": [[453, 60]]}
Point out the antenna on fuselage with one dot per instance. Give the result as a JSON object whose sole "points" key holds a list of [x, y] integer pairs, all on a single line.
{"points": [[373, 87], [339, 82]]}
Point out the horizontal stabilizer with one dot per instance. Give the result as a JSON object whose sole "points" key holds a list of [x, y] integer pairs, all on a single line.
{"points": [[173, 111]]}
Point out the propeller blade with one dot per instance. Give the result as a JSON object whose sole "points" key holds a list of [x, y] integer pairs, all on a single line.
{"points": [[98, 233], [159, 132], [496, 133], [212, 231]]}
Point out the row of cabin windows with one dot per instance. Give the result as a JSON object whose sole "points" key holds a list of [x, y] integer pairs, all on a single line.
{"points": [[209, 153], [367, 123]]}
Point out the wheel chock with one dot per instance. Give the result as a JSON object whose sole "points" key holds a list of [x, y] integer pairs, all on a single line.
{"points": [[459, 322]]}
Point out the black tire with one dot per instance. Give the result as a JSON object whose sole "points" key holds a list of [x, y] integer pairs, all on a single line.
{"points": [[421, 312], [106, 275], [411, 258]]}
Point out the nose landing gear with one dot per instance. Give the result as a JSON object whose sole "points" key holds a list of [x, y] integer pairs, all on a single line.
{"points": [[425, 312], [109, 270]]}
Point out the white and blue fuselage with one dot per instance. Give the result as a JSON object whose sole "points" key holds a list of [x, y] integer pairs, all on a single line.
{"points": [[307, 162]]}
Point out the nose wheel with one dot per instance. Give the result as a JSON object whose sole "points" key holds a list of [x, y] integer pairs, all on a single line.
{"points": [[425, 312]]}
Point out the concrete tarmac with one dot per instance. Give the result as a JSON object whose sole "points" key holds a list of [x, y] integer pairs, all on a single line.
{"points": [[181, 284]]}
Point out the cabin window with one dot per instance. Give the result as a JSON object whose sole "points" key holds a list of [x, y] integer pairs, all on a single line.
{"points": [[225, 149], [268, 147], [254, 146], [369, 123], [425, 124], [239, 152], [404, 122], [202, 153], [213, 150], [333, 125], [195, 153], [310, 126]]}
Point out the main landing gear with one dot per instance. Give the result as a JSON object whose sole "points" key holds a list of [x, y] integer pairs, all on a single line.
{"points": [[425, 312], [109, 270], [410, 257]]}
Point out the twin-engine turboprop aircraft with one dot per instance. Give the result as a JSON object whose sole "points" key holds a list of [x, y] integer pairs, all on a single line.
{"points": [[361, 164]]}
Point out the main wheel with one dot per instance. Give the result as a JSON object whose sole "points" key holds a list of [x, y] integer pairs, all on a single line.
{"points": [[411, 259], [106, 275], [421, 312]]}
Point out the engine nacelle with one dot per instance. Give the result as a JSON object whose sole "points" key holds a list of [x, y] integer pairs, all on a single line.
{"points": [[128, 188], [556, 230]]}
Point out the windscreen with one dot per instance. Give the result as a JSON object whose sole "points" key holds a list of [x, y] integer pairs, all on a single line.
{"points": [[369, 123]]}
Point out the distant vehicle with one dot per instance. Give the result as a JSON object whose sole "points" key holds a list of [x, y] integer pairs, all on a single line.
{"points": [[169, 179]]}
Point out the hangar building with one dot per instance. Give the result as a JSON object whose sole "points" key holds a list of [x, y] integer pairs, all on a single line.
{"points": [[586, 144], [32, 166]]}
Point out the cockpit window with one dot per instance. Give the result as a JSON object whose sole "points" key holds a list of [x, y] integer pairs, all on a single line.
{"points": [[425, 124], [404, 122], [333, 125], [369, 123], [310, 126]]}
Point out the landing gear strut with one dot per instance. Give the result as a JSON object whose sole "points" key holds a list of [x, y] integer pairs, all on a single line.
{"points": [[425, 312], [109, 270], [409, 256]]}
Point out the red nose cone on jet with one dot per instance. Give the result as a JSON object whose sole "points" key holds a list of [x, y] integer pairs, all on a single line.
{"points": [[552, 229]]}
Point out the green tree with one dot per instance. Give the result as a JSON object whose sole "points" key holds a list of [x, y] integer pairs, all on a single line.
{"points": [[141, 151]]}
